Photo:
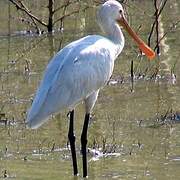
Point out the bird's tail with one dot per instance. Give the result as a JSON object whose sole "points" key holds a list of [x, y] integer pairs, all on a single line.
{"points": [[36, 121]]}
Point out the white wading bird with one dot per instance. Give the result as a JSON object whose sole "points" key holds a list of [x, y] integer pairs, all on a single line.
{"points": [[78, 71]]}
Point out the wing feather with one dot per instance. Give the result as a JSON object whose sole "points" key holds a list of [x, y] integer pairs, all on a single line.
{"points": [[76, 71]]}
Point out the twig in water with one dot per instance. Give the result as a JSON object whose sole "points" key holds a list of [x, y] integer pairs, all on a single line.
{"points": [[5, 174]]}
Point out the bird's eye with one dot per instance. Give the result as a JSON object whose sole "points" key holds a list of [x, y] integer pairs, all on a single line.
{"points": [[120, 11]]}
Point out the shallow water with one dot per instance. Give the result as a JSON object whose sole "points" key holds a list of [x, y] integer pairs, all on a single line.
{"points": [[127, 129]]}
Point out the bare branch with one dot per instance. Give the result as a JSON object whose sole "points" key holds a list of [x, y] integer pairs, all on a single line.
{"points": [[162, 7], [150, 34], [51, 15], [157, 24], [34, 22], [64, 5], [69, 14], [165, 34], [23, 8], [66, 15], [64, 12], [157, 13]]}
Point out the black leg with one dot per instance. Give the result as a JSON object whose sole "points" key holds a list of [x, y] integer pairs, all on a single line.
{"points": [[84, 143], [72, 139]]}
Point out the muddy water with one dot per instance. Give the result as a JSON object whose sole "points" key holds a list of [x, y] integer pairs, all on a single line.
{"points": [[126, 130]]}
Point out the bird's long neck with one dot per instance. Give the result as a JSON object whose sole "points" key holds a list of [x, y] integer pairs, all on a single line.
{"points": [[115, 35]]}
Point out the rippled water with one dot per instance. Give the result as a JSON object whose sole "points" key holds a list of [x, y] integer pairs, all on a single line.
{"points": [[131, 135]]}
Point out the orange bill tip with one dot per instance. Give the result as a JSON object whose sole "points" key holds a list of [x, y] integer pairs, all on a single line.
{"points": [[147, 51]]}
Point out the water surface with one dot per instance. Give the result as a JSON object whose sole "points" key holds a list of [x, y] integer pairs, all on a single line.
{"points": [[126, 128]]}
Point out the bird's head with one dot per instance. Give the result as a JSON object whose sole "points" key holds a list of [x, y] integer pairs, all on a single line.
{"points": [[112, 11]]}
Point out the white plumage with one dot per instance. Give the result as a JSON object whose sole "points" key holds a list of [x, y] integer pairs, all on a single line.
{"points": [[79, 70]]}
